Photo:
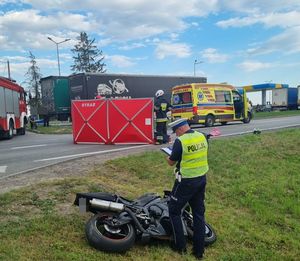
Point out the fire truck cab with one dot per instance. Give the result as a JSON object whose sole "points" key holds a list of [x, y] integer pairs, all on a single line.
{"points": [[13, 112]]}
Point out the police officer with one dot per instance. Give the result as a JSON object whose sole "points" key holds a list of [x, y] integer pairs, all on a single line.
{"points": [[161, 107], [189, 153]]}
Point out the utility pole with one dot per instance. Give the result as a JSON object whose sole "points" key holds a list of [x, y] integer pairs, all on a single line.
{"points": [[57, 43], [8, 69], [196, 62]]}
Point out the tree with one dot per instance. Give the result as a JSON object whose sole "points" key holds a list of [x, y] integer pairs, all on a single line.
{"points": [[33, 78], [87, 57]]}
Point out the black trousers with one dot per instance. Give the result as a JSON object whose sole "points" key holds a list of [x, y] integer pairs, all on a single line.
{"points": [[190, 191], [161, 131]]}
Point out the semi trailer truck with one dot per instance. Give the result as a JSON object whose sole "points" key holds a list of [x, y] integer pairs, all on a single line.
{"points": [[91, 85], [55, 97], [285, 99]]}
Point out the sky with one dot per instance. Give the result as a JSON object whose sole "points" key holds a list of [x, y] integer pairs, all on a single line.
{"points": [[240, 42]]}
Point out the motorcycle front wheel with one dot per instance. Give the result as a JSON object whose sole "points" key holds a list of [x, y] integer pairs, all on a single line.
{"points": [[107, 238], [210, 235]]}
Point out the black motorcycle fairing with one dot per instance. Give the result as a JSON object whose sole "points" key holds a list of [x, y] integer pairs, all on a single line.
{"points": [[145, 199]]}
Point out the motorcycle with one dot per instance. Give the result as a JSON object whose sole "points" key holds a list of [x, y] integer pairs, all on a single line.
{"points": [[117, 222]]}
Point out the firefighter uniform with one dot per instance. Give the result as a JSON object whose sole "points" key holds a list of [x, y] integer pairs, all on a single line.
{"points": [[190, 152], [161, 107]]}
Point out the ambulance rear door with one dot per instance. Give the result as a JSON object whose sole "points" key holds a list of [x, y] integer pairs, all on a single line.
{"points": [[182, 102]]}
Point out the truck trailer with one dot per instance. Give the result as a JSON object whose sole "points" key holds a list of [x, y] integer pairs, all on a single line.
{"points": [[55, 97], [93, 85], [298, 102], [285, 99], [13, 112]]}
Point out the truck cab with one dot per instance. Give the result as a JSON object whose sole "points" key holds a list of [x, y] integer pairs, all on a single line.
{"points": [[13, 112]]}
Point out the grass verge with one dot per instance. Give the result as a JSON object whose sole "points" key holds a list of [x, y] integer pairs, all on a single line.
{"points": [[273, 114], [57, 129], [252, 201]]}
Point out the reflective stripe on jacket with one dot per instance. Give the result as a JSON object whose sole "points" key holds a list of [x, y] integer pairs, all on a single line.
{"points": [[194, 161], [161, 119]]}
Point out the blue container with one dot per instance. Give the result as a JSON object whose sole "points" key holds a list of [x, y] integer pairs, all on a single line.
{"points": [[292, 98]]}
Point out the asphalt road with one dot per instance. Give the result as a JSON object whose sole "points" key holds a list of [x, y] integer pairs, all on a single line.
{"points": [[24, 153]]}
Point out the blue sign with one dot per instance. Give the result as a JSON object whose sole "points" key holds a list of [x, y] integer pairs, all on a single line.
{"points": [[176, 99], [200, 96]]}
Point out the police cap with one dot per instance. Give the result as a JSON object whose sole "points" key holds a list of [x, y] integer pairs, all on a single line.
{"points": [[178, 123]]}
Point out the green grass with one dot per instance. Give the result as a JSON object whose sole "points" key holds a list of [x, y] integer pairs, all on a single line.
{"points": [[272, 114], [252, 201], [52, 129]]}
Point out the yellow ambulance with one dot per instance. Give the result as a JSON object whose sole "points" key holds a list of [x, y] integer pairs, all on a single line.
{"points": [[207, 103]]}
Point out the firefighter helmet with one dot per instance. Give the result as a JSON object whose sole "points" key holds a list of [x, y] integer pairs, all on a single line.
{"points": [[159, 93]]}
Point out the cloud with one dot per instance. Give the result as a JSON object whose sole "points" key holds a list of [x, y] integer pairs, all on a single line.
{"points": [[164, 49], [255, 6], [121, 61], [287, 42], [283, 20], [66, 56], [126, 20], [29, 28], [15, 58], [251, 66], [5, 2], [133, 19], [19, 66], [131, 46], [211, 55]]}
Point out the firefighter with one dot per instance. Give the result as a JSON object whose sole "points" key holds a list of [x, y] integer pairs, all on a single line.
{"points": [[161, 107]]}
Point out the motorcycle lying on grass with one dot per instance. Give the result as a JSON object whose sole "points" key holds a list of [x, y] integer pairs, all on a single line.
{"points": [[117, 222]]}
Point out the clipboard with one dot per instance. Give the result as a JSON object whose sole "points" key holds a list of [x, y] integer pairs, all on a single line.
{"points": [[167, 150]]}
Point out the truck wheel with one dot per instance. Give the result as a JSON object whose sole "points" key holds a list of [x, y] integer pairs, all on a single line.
{"points": [[248, 119], [9, 134], [210, 120]]}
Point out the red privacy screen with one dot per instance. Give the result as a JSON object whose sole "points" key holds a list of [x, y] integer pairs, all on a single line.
{"points": [[113, 121]]}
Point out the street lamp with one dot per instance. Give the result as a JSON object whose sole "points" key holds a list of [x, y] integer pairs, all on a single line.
{"points": [[57, 43], [196, 62]]}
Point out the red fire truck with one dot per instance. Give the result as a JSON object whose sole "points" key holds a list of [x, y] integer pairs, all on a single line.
{"points": [[13, 112]]}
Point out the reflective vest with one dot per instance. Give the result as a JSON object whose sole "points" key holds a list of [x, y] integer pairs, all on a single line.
{"points": [[194, 155], [161, 107]]}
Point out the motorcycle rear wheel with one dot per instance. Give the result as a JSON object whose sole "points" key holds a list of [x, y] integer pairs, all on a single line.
{"points": [[106, 238]]}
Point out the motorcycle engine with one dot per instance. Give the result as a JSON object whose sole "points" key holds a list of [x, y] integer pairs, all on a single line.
{"points": [[155, 211]]}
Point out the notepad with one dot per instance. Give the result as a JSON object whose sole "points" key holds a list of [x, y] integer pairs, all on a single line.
{"points": [[167, 150]]}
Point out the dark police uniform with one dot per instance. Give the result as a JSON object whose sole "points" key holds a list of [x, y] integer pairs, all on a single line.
{"points": [[190, 152], [161, 107]]}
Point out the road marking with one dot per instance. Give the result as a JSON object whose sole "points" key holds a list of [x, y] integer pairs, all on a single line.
{"points": [[3, 169], [26, 147], [90, 153]]}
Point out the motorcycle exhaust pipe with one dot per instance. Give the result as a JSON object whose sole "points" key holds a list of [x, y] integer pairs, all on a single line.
{"points": [[107, 205]]}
